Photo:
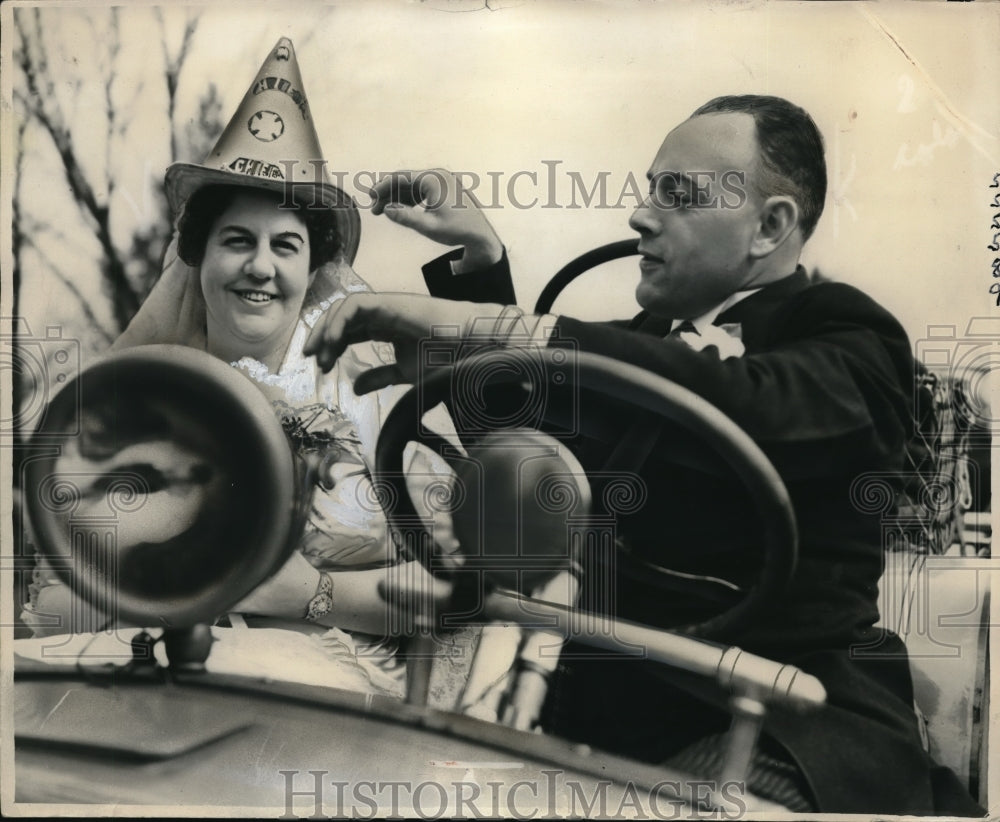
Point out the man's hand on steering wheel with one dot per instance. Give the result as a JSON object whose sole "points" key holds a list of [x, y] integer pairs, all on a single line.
{"points": [[401, 319]]}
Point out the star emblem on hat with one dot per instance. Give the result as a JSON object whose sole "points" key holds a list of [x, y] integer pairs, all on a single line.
{"points": [[266, 126]]}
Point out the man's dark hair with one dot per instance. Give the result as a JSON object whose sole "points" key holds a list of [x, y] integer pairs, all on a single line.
{"points": [[791, 151], [206, 205]]}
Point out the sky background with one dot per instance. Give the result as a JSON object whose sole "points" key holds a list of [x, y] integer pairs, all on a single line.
{"points": [[904, 93]]}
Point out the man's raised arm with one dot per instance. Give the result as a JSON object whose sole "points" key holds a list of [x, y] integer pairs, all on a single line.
{"points": [[433, 203]]}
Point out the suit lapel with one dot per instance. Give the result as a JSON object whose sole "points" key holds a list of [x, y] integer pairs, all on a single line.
{"points": [[766, 298], [646, 323], [754, 314]]}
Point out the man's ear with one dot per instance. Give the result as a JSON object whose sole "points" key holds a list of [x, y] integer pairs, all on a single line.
{"points": [[779, 218]]}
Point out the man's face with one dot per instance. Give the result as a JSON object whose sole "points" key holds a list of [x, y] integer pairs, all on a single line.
{"points": [[701, 215]]}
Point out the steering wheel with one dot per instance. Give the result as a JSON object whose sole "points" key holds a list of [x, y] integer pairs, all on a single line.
{"points": [[655, 400], [577, 266]]}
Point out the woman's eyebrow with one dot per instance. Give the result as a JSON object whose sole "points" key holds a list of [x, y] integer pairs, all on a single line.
{"points": [[237, 228], [284, 235]]}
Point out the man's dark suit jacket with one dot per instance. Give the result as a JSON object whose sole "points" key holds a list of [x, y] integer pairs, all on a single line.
{"points": [[825, 389]]}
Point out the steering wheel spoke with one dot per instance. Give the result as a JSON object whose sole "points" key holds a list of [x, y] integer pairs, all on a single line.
{"points": [[654, 404]]}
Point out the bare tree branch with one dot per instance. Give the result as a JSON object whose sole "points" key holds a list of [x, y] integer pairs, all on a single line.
{"points": [[17, 237], [51, 83], [17, 386], [114, 47], [86, 310], [43, 105], [35, 228], [172, 69]]}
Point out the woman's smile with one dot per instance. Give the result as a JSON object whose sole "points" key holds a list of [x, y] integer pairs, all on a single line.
{"points": [[255, 297]]}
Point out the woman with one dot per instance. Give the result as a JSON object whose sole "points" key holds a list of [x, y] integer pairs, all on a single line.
{"points": [[255, 263]]}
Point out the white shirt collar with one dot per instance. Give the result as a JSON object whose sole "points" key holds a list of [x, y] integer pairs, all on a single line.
{"points": [[706, 319]]}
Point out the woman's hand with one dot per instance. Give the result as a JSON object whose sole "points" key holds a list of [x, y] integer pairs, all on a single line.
{"points": [[357, 602], [286, 594]]}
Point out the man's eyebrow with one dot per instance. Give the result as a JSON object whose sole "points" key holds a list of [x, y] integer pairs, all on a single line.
{"points": [[679, 176]]}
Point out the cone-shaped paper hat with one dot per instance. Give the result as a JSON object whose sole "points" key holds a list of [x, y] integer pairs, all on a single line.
{"points": [[271, 143]]}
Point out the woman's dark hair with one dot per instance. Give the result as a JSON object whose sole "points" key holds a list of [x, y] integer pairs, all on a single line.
{"points": [[205, 206], [791, 151]]}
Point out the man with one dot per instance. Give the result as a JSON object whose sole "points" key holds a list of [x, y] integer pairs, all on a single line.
{"points": [[816, 372]]}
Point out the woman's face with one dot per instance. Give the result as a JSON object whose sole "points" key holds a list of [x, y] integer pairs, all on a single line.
{"points": [[254, 275]]}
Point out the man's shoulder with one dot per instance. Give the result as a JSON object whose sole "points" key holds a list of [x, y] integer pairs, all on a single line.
{"points": [[820, 299], [822, 288], [804, 307], [814, 288]]}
